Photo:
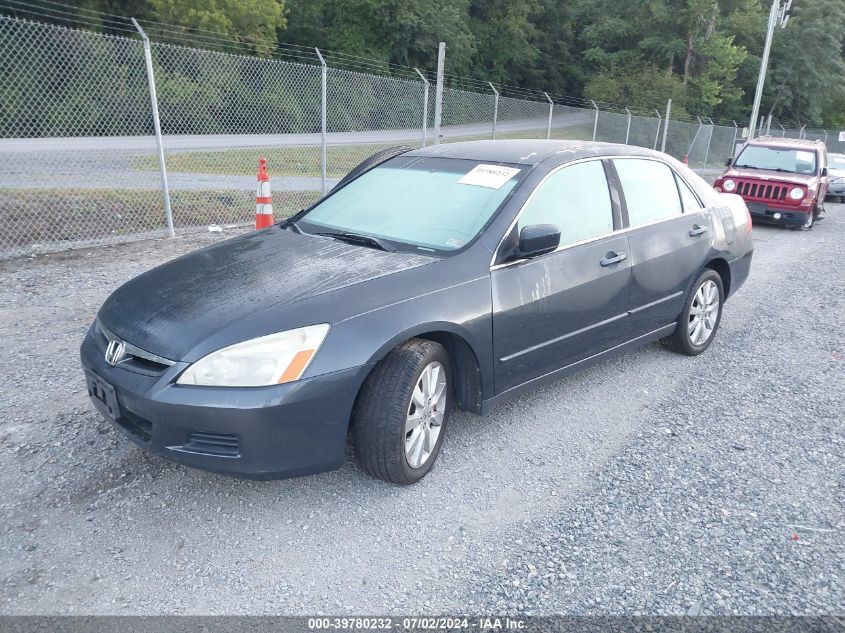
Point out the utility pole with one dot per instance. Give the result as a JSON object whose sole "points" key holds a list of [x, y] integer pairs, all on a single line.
{"points": [[775, 14]]}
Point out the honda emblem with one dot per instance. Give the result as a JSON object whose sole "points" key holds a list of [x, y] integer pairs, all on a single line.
{"points": [[114, 352]]}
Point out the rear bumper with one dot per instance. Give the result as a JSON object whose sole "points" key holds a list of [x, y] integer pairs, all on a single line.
{"points": [[836, 189], [740, 268], [263, 433]]}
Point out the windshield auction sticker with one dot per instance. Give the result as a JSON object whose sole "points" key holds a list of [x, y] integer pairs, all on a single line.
{"points": [[490, 176]]}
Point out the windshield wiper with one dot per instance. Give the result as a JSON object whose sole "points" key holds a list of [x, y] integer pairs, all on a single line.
{"points": [[362, 240], [780, 169]]}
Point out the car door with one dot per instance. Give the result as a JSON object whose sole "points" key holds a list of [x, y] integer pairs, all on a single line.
{"points": [[669, 239], [555, 309]]}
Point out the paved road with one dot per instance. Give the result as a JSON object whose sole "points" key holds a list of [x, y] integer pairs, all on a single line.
{"points": [[108, 162], [653, 483]]}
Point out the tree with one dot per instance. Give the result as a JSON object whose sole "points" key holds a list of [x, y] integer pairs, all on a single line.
{"points": [[503, 34], [251, 22], [644, 87], [805, 81], [392, 31]]}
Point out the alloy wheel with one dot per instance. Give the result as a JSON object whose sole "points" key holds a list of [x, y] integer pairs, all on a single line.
{"points": [[703, 313], [426, 410]]}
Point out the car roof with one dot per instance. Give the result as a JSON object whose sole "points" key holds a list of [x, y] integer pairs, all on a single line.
{"points": [[528, 151], [803, 143]]}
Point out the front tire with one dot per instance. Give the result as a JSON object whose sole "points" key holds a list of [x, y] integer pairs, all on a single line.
{"points": [[701, 316], [403, 412], [810, 222]]}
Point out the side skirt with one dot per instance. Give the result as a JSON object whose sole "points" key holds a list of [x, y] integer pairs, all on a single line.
{"points": [[536, 383]]}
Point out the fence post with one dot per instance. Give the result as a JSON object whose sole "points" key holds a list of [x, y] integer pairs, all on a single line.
{"points": [[425, 106], [438, 91], [782, 131], [825, 136], [707, 149], [324, 76], [801, 133], [596, 120], [666, 124], [628, 128], [769, 124], [551, 109], [733, 143], [495, 106], [657, 132], [695, 138], [151, 82]]}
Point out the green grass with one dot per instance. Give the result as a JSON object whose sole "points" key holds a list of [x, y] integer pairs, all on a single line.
{"points": [[304, 161], [281, 161], [30, 216]]}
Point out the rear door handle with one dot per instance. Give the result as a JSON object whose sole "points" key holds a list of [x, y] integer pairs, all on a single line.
{"points": [[613, 258], [697, 230]]}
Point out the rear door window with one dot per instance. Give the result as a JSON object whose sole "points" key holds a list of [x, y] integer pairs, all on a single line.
{"points": [[650, 191], [576, 200]]}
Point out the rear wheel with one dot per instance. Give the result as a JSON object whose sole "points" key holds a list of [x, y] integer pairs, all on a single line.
{"points": [[700, 319], [403, 412]]}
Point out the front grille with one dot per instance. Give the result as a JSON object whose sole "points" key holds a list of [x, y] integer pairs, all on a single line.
{"points": [[762, 190], [220, 444], [137, 426], [148, 364]]}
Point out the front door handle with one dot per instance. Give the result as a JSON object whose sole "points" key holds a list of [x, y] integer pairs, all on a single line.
{"points": [[613, 258], [697, 230]]}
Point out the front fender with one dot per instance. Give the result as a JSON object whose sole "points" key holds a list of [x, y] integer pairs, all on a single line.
{"points": [[463, 310]]}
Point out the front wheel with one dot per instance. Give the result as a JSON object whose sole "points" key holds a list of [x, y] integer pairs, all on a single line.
{"points": [[403, 412], [812, 216], [700, 319]]}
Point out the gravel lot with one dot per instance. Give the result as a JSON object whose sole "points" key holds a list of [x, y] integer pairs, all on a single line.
{"points": [[654, 483]]}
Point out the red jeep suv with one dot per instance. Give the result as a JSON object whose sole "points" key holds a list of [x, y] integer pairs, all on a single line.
{"points": [[782, 180]]}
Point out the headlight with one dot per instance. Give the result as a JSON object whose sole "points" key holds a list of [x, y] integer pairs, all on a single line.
{"points": [[267, 360], [796, 193], [729, 185]]}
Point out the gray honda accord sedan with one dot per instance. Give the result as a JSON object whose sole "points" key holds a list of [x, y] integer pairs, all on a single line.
{"points": [[457, 275]]}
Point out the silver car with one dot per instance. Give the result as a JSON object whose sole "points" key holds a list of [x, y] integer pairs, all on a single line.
{"points": [[836, 171]]}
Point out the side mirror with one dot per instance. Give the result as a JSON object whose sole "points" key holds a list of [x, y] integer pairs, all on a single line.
{"points": [[538, 239], [824, 172], [728, 162]]}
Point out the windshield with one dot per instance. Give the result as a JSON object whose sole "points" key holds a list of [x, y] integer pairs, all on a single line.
{"points": [[427, 203], [837, 162], [796, 161]]}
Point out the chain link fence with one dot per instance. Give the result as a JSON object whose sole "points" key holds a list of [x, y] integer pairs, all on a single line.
{"points": [[78, 153]]}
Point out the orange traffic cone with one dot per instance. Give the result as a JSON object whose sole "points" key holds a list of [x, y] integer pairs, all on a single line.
{"points": [[263, 197], [685, 161]]}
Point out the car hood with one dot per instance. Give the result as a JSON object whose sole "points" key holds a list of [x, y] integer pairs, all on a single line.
{"points": [[170, 309], [769, 175]]}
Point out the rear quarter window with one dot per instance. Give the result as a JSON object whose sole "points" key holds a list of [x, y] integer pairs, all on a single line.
{"points": [[688, 199]]}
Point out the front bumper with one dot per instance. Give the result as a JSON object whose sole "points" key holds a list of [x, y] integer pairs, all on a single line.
{"points": [[761, 212], [273, 432], [836, 189]]}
